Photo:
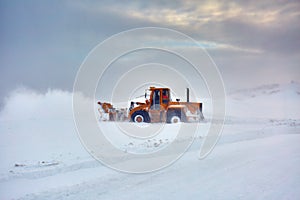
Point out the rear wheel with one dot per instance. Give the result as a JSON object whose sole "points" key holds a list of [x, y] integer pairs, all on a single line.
{"points": [[140, 116]]}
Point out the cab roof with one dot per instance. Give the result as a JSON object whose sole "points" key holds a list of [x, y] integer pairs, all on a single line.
{"points": [[158, 88]]}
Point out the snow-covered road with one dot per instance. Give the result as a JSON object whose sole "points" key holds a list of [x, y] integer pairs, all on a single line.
{"points": [[251, 161]]}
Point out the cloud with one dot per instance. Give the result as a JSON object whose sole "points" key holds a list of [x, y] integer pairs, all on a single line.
{"points": [[207, 45], [248, 25]]}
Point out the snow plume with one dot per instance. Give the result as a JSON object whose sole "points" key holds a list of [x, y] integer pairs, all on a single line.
{"points": [[27, 104]]}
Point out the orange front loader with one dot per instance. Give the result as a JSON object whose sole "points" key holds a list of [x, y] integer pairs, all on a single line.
{"points": [[157, 107]]}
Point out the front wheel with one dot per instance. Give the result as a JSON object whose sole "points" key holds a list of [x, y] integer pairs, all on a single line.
{"points": [[173, 118], [140, 116]]}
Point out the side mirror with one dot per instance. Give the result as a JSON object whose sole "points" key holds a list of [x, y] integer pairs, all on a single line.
{"points": [[177, 100]]}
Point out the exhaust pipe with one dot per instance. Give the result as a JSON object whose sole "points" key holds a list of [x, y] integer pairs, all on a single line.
{"points": [[187, 95]]}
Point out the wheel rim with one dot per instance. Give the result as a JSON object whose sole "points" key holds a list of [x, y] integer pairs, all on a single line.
{"points": [[175, 119], [139, 119]]}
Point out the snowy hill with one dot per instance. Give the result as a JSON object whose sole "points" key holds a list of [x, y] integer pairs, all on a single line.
{"points": [[268, 101]]}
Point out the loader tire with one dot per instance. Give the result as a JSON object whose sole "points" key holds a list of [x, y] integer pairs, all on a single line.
{"points": [[140, 116], [173, 117]]}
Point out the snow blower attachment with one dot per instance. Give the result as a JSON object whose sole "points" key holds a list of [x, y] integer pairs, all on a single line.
{"points": [[157, 107]]}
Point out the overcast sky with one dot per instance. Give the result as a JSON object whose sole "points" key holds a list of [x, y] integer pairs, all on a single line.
{"points": [[43, 43]]}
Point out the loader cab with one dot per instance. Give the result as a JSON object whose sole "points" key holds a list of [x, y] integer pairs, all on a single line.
{"points": [[159, 98], [158, 102]]}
